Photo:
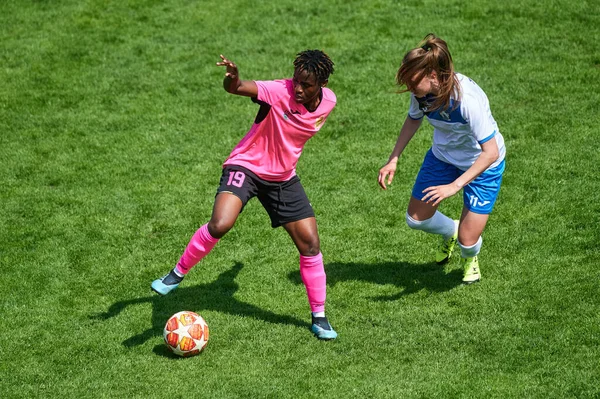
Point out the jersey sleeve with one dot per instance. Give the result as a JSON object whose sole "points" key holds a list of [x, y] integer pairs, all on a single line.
{"points": [[478, 116], [414, 112], [269, 91]]}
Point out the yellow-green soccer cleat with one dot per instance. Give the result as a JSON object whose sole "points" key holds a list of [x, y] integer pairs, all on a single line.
{"points": [[471, 273], [447, 247]]}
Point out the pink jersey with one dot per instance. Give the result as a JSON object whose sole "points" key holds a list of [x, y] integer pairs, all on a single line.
{"points": [[273, 145]]}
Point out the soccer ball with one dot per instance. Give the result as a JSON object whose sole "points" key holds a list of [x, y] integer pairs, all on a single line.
{"points": [[186, 333]]}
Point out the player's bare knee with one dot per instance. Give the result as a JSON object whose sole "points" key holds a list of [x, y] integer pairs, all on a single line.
{"points": [[312, 251], [311, 248], [219, 227], [467, 241]]}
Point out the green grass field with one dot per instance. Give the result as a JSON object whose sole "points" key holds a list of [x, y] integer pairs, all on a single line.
{"points": [[114, 125]]}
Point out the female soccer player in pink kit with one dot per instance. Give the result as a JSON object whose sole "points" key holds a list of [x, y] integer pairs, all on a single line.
{"points": [[467, 152], [263, 165]]}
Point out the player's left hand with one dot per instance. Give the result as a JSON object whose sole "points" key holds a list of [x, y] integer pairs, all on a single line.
{"points": [[435, 194]]}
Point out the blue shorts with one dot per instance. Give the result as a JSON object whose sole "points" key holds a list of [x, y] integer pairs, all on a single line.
{"points": [[479, 196]]}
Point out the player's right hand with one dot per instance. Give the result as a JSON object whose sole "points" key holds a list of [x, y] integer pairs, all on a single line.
{"points": [[387, 172], [232, 70]]}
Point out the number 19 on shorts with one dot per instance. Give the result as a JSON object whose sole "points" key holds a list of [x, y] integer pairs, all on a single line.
{"points": [[236, 178]]}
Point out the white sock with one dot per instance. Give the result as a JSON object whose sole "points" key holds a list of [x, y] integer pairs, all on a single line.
{"points": [[473, 250], [178, 273], [437, 224], [318, 314]]}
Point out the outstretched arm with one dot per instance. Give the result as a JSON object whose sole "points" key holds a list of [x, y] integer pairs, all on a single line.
{"points": [[232, 82]]}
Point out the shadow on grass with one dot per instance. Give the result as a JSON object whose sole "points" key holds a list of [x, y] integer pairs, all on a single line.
{"points": [[408, 277], [216, 296]]}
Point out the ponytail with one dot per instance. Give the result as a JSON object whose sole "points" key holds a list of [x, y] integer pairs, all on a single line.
{"points": [[432, 55]]}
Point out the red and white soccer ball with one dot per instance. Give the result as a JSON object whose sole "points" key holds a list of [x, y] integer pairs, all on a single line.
{"points": [[186, 333]]}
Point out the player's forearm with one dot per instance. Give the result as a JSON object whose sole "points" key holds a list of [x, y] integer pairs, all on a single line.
{"points": [[246, 88], [484, 161], [231, 84], [409, 128]]}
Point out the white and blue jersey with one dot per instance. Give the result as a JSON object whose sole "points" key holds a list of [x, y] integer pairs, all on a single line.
{"points": [[460, 130], [458, 134]]}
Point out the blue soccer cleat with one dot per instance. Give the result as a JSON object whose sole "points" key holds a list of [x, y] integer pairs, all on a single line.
{"points": [[166, 284], [322, 329]]}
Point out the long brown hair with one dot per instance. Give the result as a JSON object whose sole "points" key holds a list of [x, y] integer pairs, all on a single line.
{"points": [[431, 55]]}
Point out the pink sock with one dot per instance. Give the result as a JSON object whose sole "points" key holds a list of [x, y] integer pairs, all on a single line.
{"points": [[200, 245], [313, 276]]}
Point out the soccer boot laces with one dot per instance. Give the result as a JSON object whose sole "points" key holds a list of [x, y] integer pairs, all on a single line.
{"points": [[471, 272]]}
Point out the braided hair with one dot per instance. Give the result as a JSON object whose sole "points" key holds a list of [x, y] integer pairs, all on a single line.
{"points": [[314, 62]]}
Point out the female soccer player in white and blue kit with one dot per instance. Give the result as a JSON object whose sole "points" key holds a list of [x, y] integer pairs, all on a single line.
{"points": [[467, 152]]}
